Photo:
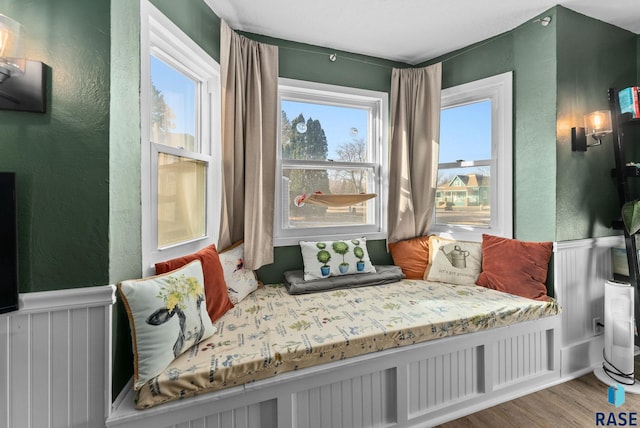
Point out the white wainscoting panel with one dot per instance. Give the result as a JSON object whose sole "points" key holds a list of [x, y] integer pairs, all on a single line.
{"points": [[255, 415], [419, 385], [521, 356], [581, 268], [55, 356], [442, 379], [362, 401]]}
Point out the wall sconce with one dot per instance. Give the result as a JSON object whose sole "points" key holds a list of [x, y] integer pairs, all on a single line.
{"points": [[22, 81], [596, 124]]}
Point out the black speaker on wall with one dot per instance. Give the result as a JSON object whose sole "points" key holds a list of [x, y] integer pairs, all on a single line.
{"points": [[8, 243]]}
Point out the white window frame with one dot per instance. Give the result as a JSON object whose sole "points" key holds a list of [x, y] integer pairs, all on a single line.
{"points": [[497, 89], [163, 39], [378, 105]]}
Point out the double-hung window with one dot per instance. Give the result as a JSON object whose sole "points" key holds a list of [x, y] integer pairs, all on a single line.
{"points": [[332, 141], [180, 137], [474, 189]]}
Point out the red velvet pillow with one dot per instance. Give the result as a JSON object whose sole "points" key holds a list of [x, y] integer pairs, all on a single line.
{"points": [[412, 255], [215, 287], [515, 267]]}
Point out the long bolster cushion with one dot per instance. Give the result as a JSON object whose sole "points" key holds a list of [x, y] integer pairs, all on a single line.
{"points": [[384, 274]]}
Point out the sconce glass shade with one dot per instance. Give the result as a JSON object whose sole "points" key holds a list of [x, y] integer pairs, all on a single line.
{"points": [[598, 124], [22, 81], [12, 48]]}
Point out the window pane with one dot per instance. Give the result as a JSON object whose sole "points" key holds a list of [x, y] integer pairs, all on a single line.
{"points": [[173, 107], [299, 181], [181, 199], [462, 197], [313, 131], [465, 132]]}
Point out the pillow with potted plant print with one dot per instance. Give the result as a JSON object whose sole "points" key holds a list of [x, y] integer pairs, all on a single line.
{"points": [[332, 258]]}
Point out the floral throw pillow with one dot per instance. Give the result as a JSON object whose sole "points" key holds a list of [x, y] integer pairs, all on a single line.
{"points": [[332, 258], [167, 315], [240, 281]]}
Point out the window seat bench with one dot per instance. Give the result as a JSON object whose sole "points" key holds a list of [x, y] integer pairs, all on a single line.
{"points": [[411, 353]]}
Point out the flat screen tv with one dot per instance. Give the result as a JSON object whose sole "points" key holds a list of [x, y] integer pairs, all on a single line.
{"points": [[8, 243]]}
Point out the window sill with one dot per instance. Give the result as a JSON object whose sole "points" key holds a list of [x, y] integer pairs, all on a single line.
{"points": [[295, 240]]}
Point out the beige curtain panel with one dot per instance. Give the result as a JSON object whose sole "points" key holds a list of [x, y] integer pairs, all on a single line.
{"points": [[249, 74], [415, 133]]}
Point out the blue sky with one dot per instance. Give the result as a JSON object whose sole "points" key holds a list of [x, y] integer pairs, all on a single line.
{"points": [[179, 94], [337, 122], [466, 129]]}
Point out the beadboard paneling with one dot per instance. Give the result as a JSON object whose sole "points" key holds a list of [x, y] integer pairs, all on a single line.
{"points": [[362, 401], [581, 268], [445, 378], [55, 358], [521, 356]]}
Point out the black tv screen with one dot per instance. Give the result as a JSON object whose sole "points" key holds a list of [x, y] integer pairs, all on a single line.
{"points": [[8, 243]]}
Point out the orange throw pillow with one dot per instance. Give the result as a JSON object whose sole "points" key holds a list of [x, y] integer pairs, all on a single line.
{"points": [[515, 267], [215, 287], [412, 255]]}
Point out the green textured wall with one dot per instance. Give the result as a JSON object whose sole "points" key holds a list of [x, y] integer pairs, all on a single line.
{"points": [[61, 156], [125, 246], [592, 57], [534, 158]]}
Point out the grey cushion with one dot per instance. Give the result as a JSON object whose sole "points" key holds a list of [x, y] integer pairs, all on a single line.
{"points": [[295, 283]]}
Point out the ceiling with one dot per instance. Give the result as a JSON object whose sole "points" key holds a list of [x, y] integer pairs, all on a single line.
{"points": [[409, 31]]}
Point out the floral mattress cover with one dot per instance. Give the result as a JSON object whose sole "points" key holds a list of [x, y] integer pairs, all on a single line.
{"points": [[272, 332]]}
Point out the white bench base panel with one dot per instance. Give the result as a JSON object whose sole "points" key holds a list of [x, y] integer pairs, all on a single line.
{"points": [[423, 384]]}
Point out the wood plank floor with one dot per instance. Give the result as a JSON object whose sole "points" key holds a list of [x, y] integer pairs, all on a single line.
{"points": [[570, 404]]}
